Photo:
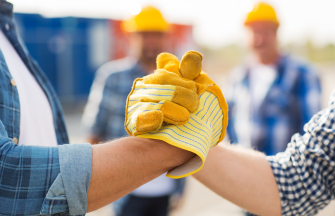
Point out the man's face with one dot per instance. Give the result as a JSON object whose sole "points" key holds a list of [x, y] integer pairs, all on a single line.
{"points": [[262, 37], [150, 44]]}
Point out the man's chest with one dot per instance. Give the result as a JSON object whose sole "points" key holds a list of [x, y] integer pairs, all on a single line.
{"points": [[118, 90]]}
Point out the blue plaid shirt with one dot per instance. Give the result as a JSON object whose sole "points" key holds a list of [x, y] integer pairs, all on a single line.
{"points": [[290, 102], [105, 111], [37, 180], [305, 172]]}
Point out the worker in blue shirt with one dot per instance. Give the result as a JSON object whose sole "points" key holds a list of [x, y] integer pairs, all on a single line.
{"points": [[272, 94], [104, 114]]}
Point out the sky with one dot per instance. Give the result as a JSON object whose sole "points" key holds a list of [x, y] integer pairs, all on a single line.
{"points": [[216, 22]]}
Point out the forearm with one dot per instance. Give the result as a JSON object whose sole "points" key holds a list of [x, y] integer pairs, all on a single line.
{"points": [[243, 177], [125, 164]]}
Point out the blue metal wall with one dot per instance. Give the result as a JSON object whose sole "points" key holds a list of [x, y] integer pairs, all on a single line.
{"points": [[69, 50]]}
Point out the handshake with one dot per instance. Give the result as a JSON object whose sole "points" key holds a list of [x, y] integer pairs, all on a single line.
{"points": [[181, 105]]}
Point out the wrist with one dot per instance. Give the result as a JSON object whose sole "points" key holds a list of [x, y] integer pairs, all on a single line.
{"points": [[169, 155]]}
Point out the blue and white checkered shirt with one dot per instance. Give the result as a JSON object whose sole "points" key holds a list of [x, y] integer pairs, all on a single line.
{"points": [[105, 111], [289, 103], [305, 172], [37, 180]]}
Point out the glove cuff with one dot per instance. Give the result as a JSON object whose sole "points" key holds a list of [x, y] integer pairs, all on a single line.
{"points": [[198, 141]]}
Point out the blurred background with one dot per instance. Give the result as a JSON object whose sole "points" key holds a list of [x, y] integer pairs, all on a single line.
{"points": [[71, 39]]}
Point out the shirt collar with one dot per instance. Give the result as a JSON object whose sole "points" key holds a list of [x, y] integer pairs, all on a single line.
{"points": [[249, 62]]}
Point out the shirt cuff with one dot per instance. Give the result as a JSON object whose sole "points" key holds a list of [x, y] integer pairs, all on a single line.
{"points": [[76, 168]]}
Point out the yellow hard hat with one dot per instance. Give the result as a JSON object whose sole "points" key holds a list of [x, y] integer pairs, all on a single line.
{"points": [[262, 12], [149, 19]]}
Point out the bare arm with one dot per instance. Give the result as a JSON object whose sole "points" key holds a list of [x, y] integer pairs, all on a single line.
{"points": [[243, 177], [299, 181], [125, 164]]}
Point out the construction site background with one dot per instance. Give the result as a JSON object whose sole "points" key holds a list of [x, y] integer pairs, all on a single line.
{"points": [[70, 50]]}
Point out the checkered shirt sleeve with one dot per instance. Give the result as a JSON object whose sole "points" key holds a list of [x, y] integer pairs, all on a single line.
{"points": [[305, 172]]}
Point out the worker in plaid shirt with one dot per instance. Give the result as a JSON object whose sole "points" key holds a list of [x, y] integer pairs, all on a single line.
{"points": [[299, 181], [40, 174], [271, 95], [104, 114]]}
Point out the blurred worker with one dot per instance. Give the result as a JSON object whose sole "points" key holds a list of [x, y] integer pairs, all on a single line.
{"points": [[272, 94], [104, 115]]}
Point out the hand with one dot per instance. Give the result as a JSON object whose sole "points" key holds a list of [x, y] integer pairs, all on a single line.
{"points": [[163, 96], [206, 118]]}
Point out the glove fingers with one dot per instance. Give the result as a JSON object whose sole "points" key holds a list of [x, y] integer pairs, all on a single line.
{"points": [[151, 93], [174, 113], [143, 121], [191, 65], [149, 121], [168, 62], [155, 93], [143, 117], [163, 77], [204, 79], [186, 98], [201, 88]]}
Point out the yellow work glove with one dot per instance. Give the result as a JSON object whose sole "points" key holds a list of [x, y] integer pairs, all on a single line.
{"points": [[160, 97], [190, 104]]}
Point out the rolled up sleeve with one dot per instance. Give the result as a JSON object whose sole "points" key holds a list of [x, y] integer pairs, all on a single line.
{"points": [[68, 193], [305, 172], [38, 180]]}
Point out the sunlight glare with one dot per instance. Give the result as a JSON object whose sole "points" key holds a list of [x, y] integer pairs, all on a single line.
{"points": [[246, 6], [134, 9]]}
